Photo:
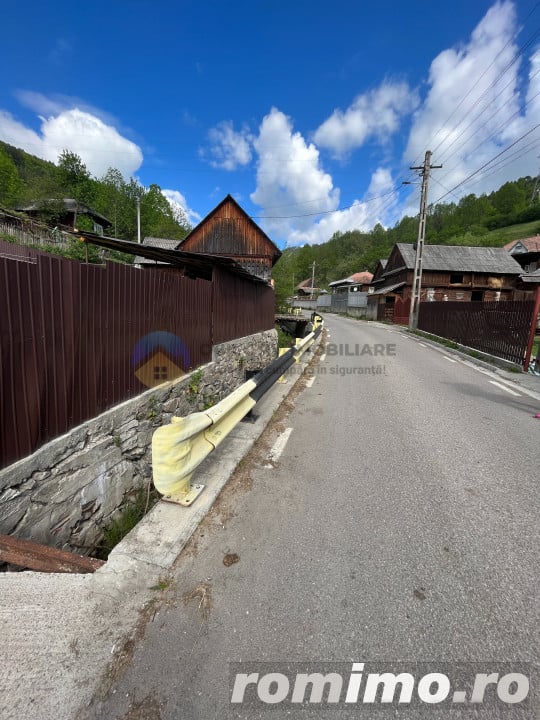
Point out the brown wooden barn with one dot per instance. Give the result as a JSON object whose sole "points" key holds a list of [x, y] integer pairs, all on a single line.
{"points": [[228, 231]]}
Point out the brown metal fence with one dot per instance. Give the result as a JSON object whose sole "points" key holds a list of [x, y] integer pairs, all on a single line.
{"points": [[240, 308], [497, 328], [73, 336]]}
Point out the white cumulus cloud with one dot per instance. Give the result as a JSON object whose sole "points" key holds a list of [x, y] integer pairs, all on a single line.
{"points": [[228, 149], [99, 144], [374, 114], [178, 202], [289, 175], [379, 203], [474, 109], [292, 187]]}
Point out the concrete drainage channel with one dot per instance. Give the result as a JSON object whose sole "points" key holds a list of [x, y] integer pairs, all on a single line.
{"points": [[61, 632]]}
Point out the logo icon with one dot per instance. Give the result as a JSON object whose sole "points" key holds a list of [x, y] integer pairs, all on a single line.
{"points": [[159, 357]]}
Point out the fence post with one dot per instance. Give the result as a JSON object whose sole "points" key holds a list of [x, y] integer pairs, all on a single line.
{"points": [[532, 331]]}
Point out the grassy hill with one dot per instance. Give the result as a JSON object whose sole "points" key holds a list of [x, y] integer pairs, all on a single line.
{"points": [[494, 238]]}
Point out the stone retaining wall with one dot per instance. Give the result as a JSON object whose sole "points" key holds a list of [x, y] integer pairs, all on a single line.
{"points": [[64, 493]]}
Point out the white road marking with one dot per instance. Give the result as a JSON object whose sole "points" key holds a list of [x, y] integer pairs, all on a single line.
{"points": [[422, 344], [449, 359], [279, 446], [503, 387], [310, 382]]}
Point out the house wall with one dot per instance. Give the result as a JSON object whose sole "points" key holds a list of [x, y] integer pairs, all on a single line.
{"points": [[440, 283], [229, 232], [64, 493]]}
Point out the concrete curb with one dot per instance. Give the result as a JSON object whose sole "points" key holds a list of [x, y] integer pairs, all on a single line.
{"points": [[61, 632]]}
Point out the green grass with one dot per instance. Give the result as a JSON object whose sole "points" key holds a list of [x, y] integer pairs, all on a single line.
{"points": [[133, 510], [498, 237], [284, 339]]}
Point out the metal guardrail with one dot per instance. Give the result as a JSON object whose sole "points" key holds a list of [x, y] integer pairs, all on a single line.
{"points": [[179, 448]]}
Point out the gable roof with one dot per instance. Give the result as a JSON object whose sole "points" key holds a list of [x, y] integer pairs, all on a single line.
{"points": [[70, 205], [527, 245], [532, 277], [364, 277], [222, 214], [461, 258]]}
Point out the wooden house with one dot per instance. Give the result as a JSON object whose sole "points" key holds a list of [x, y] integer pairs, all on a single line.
{"points": [[228, 231], [67, 211], [449, 272], [526, 252]]}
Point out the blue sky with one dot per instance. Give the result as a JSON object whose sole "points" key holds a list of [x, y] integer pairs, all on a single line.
{"points": [[309, 113]]}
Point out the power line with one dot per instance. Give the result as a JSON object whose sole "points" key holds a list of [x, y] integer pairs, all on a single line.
{"points": [[486, 164], [442, 126], [357, 203]]}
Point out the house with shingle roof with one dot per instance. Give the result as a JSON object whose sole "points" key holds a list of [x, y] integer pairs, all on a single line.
{"points": [[526, 252], [449, 272]]}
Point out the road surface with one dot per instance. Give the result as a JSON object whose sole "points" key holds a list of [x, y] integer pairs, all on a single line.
{"points": [[391, 516]]}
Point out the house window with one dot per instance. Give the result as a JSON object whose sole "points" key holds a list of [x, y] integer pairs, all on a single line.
{"points": [[456, 279], [477, 295], [160, 372]]}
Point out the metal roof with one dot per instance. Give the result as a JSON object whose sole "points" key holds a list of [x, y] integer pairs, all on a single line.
{"points": [[532, 277], [364, 277], [70, 205], [195, 264], [388, 288], [461, 258], [164, 243]]}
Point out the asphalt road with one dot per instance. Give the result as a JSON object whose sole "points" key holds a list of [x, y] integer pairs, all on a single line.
{"points": [[399, 524]]}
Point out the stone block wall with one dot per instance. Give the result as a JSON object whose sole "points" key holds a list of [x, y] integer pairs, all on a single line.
{"points": [[63, 494]]}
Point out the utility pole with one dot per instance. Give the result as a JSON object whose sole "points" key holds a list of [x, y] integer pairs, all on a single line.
{"points": [[417, 279], [138, 219], [312, 279]]}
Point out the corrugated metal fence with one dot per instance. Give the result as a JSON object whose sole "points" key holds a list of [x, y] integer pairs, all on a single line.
{"points": [[72, 336], [497, 328]]}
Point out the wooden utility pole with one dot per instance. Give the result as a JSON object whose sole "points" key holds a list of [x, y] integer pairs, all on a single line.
{"points": [[312, 279], [417, 279]]}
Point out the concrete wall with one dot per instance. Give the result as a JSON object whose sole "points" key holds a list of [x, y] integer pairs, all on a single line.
{"points": [[64, 493]]}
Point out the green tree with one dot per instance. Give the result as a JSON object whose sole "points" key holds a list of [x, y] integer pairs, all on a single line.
{"points": [[509, 198], [10, 183], [75, 180]]}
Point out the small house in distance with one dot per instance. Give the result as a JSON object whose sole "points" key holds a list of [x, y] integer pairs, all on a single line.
{"points": [[357, 282], [526, 252], [67, 211], [304, 288], [228, 231]]}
